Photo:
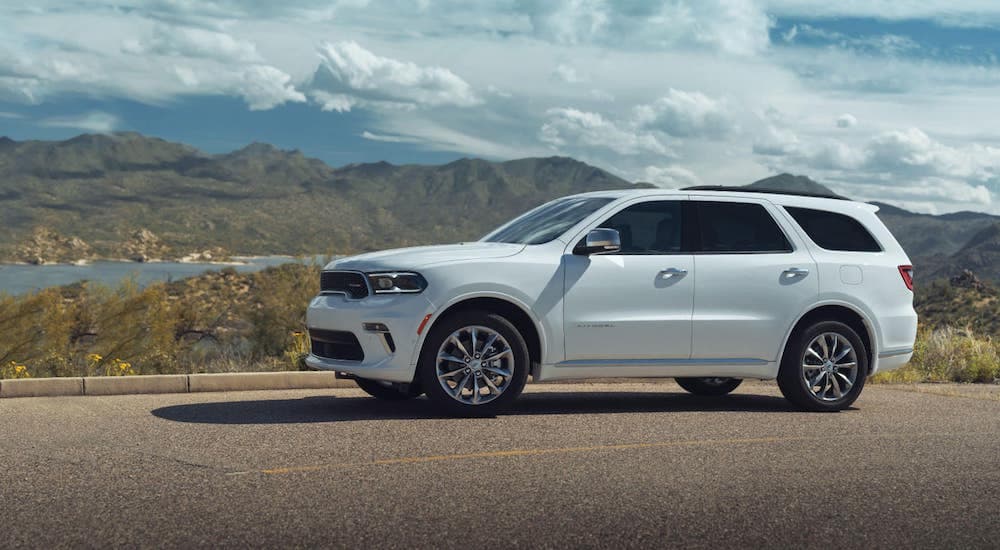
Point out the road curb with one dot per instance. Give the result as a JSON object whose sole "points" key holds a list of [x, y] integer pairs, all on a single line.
{"points": [[169, 383]]}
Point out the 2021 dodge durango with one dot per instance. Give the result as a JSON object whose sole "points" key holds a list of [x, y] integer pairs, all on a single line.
{"points": [[708, 287]]}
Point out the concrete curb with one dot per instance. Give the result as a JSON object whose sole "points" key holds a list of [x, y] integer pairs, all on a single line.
{"points": [[170, 383]]}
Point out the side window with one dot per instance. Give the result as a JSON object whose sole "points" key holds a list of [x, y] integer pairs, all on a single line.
{"points": [[834, 231], [648, 227], [738, 227]]}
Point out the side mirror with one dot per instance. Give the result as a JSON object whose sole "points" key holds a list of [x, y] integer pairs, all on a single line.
{"points": [[599, 241]]}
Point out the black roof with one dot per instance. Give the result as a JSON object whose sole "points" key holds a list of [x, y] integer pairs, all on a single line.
{"points": [[740, 189]]}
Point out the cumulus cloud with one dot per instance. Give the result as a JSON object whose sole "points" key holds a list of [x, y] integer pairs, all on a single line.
{"points": [[686, 114], [671, 177], [264, 87], [571, 127], [888, 162], [350, 75], [94, 121]]}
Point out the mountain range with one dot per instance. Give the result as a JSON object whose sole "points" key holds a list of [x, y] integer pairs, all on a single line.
{"points": [[133, 196]]}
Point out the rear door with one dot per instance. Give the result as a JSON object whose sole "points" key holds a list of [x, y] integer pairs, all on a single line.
{"points": [[754, 277]]}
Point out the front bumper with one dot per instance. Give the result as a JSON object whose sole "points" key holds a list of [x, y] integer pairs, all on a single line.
{"points": [[400, 313]]}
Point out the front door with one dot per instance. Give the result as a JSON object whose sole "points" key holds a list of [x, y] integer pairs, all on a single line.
{"points": [[635, 304]]}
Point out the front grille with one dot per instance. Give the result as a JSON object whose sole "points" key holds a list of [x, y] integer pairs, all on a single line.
{"points": [[350, 283], [336, 344]]}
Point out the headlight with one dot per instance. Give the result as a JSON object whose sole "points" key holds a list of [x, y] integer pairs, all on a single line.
{"points": [[402, 282]]}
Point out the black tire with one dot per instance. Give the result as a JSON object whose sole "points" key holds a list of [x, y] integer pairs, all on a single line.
{"points": [[709, 386], [387, 390], [442, 330], [791, 378]]}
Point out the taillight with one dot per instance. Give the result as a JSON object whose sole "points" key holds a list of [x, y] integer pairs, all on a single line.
{"points": [[907, 272]]}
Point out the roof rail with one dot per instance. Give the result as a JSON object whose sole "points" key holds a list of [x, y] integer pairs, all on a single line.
{"points": [[740, 189]]}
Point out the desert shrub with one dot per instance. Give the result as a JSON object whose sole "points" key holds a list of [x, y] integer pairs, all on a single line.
{"points": [[949, 355]]}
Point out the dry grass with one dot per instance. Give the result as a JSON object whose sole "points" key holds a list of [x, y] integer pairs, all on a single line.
{"points": [[949, 355]]}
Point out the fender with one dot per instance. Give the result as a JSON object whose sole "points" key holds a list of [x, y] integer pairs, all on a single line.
{"points": [[866, 318], [435, 316]]}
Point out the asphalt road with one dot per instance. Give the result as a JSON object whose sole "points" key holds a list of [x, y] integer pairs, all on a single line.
{"points": [[574, 465]]}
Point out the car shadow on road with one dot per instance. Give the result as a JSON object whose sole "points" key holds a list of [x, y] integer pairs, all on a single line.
{"points": [[344, 409]]}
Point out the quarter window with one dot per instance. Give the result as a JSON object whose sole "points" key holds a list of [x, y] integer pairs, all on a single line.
{"points": [[738, 227], [834, 231], [648, 228]]}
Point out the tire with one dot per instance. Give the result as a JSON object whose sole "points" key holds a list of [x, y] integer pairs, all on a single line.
{"points": [[507, 372], [815, 380], [709, 386], [388, 391]]}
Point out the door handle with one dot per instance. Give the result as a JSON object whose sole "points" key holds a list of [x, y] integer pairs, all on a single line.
{"points": [[673, 271], [796, 272]]}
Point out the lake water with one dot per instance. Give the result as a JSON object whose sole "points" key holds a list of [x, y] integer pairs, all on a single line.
{"points": [[20, 279]]}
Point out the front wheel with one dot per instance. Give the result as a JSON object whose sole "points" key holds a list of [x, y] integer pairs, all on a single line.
{"points": [[709, 386], [824, 367], [388, 391], [473, 363]]}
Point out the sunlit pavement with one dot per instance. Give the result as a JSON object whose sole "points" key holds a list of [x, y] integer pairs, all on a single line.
{"points": [[572, 465]]}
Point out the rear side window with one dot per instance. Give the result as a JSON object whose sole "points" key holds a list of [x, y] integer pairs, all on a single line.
{"points": [[834, 231], [738, 227]]}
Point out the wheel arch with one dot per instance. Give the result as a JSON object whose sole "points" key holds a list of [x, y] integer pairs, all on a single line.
{"points": [[511, 309], [844, 313]]}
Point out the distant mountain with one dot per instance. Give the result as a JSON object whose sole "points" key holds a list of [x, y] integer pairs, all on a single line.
{"points": [[792, 184], [132, 196], [96, 191]]}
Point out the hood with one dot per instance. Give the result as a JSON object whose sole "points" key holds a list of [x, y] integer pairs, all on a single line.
{"points": [[422, 256]]}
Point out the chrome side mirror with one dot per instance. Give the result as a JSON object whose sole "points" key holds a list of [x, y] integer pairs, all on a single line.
{"points": [[600, 241]]}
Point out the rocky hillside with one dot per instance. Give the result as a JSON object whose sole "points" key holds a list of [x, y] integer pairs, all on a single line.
{"points": [[137, 197], [128, 195]]}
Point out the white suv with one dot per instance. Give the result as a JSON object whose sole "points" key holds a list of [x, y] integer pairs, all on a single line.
{"points": [[708, 287]]}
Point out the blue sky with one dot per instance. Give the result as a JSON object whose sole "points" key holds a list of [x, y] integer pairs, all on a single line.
{"points": [[892, 101]]}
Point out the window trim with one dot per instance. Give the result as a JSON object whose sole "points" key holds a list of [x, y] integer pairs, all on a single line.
{"points": [[805, 232], [695, 208]]}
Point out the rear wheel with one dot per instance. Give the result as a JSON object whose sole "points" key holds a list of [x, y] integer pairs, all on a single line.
{"points": [[824, 367], [709, 386], [388, 391], [473, 363]]}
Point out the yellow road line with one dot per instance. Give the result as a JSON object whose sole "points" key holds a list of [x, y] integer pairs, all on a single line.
{"points": [[591, 448]]}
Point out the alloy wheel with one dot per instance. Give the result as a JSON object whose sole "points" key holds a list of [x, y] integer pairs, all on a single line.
{"points": [[475, 365], [829, 366]]}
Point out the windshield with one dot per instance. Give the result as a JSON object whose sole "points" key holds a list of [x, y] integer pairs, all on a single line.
{"points": [[548, 221]]}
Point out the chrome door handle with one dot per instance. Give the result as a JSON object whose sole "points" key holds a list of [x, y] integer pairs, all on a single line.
{"points": [[672, 271], [796, 272]]}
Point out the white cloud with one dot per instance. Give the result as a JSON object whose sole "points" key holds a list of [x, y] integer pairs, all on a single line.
{"points": [[932, 173], [686, 114], [349, 75], [389, 138], [93, 121], [193, 42], [730, 26], [567, 74], [9, 115], [264, 87], [671, 177], [571, 127], [846, 120]]}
